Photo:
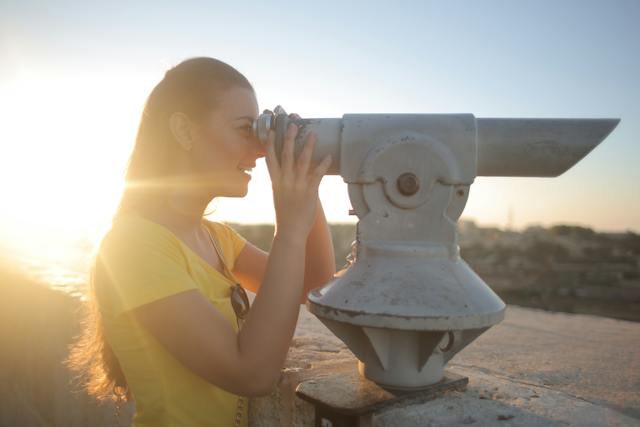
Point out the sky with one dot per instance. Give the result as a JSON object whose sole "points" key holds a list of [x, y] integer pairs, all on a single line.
{"points": [[74, 77]]}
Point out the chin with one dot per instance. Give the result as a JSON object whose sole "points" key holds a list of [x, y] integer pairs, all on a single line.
{"points": [[237, 192]]}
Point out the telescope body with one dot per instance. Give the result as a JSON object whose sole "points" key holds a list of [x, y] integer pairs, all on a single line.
{"points": [[407, 302], [533, 147]]}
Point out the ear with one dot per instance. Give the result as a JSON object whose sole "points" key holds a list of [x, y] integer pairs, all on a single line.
{"points": [[180, 126]]}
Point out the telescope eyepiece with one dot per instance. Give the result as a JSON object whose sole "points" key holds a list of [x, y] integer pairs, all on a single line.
{"points": [[266, 122], [262, 125]]}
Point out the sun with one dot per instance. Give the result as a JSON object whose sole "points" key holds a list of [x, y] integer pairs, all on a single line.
{"points": [[66, 141]]}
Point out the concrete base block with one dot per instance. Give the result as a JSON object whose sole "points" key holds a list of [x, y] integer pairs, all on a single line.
{"points": [[536, 368]]}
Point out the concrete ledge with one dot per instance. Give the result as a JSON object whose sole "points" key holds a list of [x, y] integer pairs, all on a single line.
{"points": [[489, 401], [535, 368]]}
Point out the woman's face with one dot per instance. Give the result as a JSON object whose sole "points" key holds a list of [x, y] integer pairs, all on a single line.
{"points": [[224, 145]]}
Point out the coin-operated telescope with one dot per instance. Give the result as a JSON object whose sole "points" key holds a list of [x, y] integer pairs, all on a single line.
{"points": [[407, 302]]}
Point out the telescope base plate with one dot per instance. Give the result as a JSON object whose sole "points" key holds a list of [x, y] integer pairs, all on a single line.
{"points": [[344, 398]]}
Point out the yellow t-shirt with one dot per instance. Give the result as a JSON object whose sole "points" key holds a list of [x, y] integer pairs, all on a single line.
{"points": [[144, 262]]}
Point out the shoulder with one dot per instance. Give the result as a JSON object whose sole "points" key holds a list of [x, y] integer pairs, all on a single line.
{"points": [[133, 235], [138, 262]]}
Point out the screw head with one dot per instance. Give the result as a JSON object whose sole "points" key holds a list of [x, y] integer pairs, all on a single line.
{"points": [[408, 184]]}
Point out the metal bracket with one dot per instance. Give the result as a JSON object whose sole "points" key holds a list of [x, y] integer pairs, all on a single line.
{"points": [[346, 399]]}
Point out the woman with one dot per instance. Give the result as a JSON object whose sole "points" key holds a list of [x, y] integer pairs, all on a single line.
{"points": [[161, 326]]}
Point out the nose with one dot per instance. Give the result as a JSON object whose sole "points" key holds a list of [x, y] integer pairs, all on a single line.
{"points": [[258, 147]]}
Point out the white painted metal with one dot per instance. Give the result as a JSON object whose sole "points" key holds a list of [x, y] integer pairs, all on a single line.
{"points": [[408, 303], [537, 147]]}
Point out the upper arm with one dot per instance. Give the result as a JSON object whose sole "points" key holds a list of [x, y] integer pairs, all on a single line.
{"points": [[201, 338], [250, 266]]}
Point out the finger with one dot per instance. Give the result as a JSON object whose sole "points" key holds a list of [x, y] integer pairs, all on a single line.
{"points": [[286, 162], [320, 170], [304, 159], [271, 158]]}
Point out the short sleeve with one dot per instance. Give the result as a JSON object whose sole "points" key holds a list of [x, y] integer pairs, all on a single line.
{"points": [[232, 242], [137, 264]]}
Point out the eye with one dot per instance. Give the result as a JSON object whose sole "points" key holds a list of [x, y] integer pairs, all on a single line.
{"points": [[247, 132]]}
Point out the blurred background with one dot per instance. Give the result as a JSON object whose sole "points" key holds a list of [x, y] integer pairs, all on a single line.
{"points": [[74, 77]]}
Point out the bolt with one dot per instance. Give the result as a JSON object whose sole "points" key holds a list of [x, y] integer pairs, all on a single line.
{"points": [[408, 184]]}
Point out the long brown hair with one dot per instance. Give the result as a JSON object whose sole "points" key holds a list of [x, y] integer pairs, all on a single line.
{"points": [[192, 87]]}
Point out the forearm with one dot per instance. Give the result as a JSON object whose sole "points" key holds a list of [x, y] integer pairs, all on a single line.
{"points": [[320, 264], [264, 339]]}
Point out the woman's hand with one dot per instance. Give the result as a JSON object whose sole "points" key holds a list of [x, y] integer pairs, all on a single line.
{"points": [[294, 182]]}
